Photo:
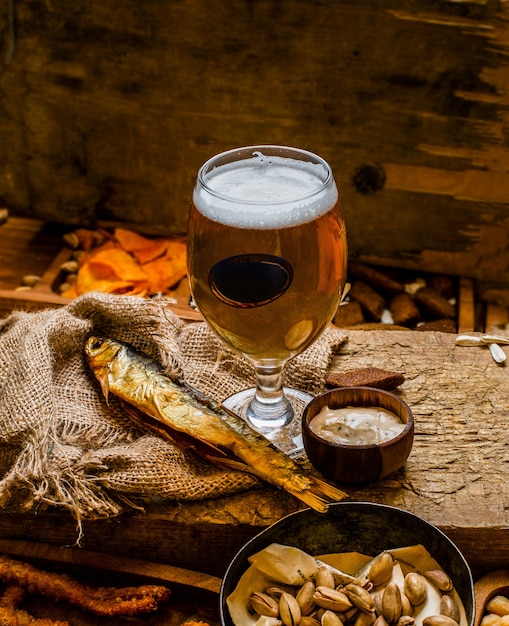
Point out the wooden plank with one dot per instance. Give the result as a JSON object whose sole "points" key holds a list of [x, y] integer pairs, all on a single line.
{"points": [[455, 476], [109, 109], [497, 317], [466, 306]]}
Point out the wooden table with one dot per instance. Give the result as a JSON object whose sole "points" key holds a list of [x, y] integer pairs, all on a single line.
{"points": [[456, 477]]}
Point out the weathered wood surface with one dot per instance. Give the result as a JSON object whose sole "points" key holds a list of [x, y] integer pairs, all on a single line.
{"points": [[456, 477], [108, 109]]}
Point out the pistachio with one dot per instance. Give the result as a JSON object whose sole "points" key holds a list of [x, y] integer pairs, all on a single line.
{"points": [[365, 618], [406, 606], [324, 577], [360, 598], [70, 267], [405, 620], [289, 610], [350, 615], [275, 592], [71, 239], [439, 620], [415, 588], [450, 608], [307, 620], [498, 605], [332, 599], [391, 603], [304, 597], [440, 579], [329, 618], [265, 620], [381, 569], [30, 280], [263, 604], [380, 621]]}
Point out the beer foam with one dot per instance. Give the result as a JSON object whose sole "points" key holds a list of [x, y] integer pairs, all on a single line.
{"points": [[265, 192]]}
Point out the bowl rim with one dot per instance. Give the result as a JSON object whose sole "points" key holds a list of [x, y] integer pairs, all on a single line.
{"points": [[408, 430], [250, 547]]}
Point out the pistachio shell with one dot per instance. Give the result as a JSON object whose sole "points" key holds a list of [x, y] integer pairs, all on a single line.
{"points": [[332, 599], [450, 608], [360, 598], [415, 588], [263, 604], [440, 579], [439, 620], [391, 603], [289, 610], [406, 606], [381, 569], [324, 577], [329, 618], [304, 597]]}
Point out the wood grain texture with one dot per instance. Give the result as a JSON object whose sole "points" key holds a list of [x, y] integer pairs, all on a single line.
{"points": [[108, 109], [456, 476]]}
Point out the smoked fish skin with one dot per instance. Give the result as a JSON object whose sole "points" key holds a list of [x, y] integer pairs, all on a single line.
{"points": [[180, 414]]}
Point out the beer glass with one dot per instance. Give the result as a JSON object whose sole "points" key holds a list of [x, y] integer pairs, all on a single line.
{"points": [[267, 262]]}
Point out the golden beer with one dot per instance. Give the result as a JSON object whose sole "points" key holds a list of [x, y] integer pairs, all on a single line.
{"points": [[267, 253]]}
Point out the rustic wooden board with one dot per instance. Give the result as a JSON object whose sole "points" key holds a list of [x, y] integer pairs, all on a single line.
{"points": [[456, 476], [108, 110]]}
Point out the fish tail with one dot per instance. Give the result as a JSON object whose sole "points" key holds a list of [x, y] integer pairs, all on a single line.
{"points": [[328, 490]]}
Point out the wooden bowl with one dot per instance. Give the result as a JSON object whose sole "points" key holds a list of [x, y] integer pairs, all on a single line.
{"points": [[489, 586], [358, 464]]}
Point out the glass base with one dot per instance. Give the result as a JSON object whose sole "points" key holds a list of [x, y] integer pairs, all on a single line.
{"points": [[288, 437]]}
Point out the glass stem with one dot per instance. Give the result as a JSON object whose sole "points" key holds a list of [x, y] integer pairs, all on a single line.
{"points": [[269, 408]]}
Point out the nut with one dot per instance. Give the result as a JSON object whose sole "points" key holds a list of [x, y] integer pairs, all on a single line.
{"points": [[391, 603], [440, 579], [263, 604], [450, 608], [309, 621], [332, 599], [365, 618], [438, 620], [381, 569], [329, 618], [360, 598], [289, 610], [406, 606], [304, 597], [405, 620], [415, 588], [324, 577]]}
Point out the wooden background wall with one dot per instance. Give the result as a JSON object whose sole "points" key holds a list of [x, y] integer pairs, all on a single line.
{"points": [[108, 108]]}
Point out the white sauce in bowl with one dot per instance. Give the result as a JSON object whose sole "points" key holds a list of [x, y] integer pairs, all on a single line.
{"points": [[357, 426]]}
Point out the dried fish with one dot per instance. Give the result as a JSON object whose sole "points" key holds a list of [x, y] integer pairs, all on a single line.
{"points": [[180, 414]]}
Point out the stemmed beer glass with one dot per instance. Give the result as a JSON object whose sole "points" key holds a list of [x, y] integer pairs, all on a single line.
{"points": [[267, 262]]}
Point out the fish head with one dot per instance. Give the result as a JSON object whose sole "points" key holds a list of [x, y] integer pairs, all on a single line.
{"points": [[100, 353]]}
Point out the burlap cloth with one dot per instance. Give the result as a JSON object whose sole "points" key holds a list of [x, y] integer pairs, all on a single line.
{"points": [[62, 446]]}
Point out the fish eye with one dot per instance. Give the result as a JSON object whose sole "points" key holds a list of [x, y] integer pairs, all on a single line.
{"points": [[97, 343]]}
